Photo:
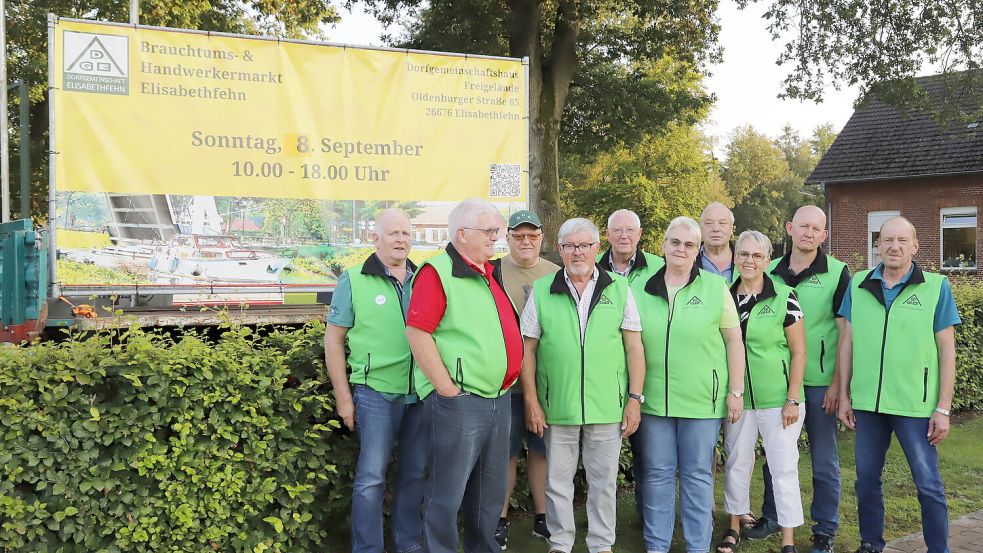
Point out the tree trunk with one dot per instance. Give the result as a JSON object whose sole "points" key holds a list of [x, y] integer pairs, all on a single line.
{"points": [[549, 84]]}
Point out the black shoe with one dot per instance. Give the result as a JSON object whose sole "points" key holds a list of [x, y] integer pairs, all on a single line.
{"points": [[761, 529], [502, 533], [789, 549], [867, 548], [821, 543], [539, 528]]}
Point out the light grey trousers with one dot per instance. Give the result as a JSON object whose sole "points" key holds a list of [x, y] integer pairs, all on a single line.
{"points": [[601, 446]]}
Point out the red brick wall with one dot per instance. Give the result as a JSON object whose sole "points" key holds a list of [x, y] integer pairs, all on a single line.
{"points": [[920, 200]]}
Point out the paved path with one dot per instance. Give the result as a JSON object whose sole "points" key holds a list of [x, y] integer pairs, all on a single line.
{"points": [[965, 536]]}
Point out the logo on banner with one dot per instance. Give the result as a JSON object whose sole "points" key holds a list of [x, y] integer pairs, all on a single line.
{"points": [[96, 63]]}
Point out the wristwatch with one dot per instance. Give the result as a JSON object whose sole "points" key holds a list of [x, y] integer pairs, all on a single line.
{"points": [[792, 402], [737, 394], [942, 411], [637, 397]]}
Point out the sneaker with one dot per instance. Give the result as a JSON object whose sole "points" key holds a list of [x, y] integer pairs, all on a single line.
{"points": [[502, 534], [821, 543], [761, 529], [867, 548], [539, 529]]}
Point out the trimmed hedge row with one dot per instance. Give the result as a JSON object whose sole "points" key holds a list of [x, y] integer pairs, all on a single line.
{"points": [[139, 441], [143, 441]]}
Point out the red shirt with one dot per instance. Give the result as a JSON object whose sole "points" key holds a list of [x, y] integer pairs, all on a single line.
{"points": [[428, 303]]}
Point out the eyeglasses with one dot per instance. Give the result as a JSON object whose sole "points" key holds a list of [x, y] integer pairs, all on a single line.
{"points": [[519, 237], [622, 230], [570, 248], [489, 232], [757, 257], [676, 243]]}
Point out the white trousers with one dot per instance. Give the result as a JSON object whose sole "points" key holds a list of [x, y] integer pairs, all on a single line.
{"points": [[601, 445], [782, 452]]}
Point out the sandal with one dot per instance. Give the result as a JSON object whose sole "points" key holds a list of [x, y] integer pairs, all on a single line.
{"points": [[726, 546], [747, 521]]}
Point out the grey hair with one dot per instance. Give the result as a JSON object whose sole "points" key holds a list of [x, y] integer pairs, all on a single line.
{"points": [[717, 204], [760, 239], [575, 225], [688, 223], [625, 212], [466, 213]]}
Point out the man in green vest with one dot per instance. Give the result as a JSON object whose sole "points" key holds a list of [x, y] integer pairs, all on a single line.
{"points": [[897, 371], [717, 250], [367, 312], [520, 268], [464, 334], [623, 256], [820, 282], [582, 379]]}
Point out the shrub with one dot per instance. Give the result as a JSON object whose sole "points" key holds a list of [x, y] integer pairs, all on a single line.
{"points": [[142, 441], [969, 348]]}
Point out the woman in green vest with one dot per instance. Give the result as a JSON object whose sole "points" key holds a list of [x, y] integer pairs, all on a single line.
{"points": [[693, 349], [774, 340]]}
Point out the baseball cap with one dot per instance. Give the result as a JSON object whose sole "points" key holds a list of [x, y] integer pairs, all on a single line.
{"points": [[524, 217]]}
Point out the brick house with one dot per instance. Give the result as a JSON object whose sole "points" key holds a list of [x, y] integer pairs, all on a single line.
{"points": [[885, 163]]}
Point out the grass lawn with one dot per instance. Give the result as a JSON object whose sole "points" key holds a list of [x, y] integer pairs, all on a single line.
{"points": [[962, 471], [961, 460]]}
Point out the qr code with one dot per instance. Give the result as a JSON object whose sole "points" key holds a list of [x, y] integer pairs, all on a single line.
{"points": [[504, 180]]}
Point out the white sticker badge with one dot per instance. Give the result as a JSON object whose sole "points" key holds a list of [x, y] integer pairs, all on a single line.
{"points": [[380, 299]]}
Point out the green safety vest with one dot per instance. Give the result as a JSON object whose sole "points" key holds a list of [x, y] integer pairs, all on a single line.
{"points": [[685, 357], [646, 265], [581, 383], [380, 355], [469, 338], [815, 295], [767, 357], [895, 358]]}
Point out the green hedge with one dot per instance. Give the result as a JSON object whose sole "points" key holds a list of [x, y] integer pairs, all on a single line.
{"points": [[144, 441], [140, 441]]}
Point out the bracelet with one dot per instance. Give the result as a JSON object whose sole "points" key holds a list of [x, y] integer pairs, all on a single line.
{"points": [[942, 411]]}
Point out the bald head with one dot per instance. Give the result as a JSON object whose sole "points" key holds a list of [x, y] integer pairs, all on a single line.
{"points": [[807, 229], [901, 227], [387, 218]]}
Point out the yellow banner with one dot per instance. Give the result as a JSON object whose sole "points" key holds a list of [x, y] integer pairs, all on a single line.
{"points": [[144, 111]]}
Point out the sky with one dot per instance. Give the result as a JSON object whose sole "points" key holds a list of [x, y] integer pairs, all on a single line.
{"points": [[746, 83]]}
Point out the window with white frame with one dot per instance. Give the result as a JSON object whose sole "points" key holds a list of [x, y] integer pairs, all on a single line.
{"points": [[958, 237], [874, 221]]}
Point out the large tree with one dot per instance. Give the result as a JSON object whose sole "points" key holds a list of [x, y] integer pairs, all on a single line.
{"points": [[879, 45], [659, 177], [616, 53], [27, 47]]}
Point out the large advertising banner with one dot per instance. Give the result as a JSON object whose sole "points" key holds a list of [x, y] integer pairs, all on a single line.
{"points": [[185, 157]]}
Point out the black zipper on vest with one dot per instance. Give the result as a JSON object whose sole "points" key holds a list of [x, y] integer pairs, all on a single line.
{"points": [[460, 374], [368, 367], [716, 387], [747, 363], [672, 309], [399, 297], [822, 355], [785, 372], [583, 384], [925, 386], [880, 376]]}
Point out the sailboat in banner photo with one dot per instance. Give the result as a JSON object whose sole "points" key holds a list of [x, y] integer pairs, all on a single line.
{"points": [[206, 253]]}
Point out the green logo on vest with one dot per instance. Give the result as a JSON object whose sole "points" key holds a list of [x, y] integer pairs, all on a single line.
{"points": [[913, 301], [695, 301], [812, 281], [604, 300], [766, 310]]}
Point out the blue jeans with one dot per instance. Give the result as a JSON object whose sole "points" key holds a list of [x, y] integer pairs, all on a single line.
{"points": [[380, 424], [663, 445], [821, 429], [519, 433], [873, 438], [469, 454]]}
